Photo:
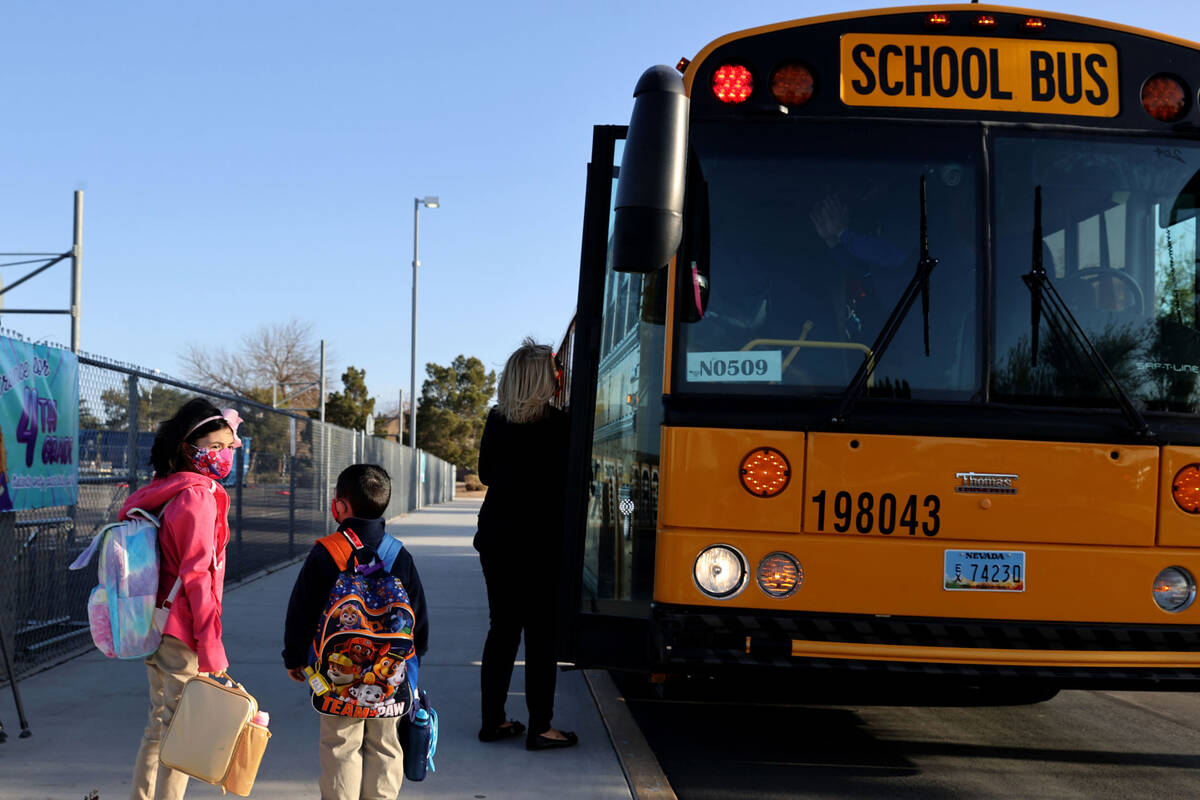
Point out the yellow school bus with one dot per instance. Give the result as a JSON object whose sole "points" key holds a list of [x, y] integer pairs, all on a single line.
{"points": [[887, 356]]}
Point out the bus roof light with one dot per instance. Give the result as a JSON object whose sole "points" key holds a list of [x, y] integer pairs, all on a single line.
{"points": [[1035, 24], [682, 65], [937, 20], [1164, 98], [792, 84], [985, 21], [732, 83]]}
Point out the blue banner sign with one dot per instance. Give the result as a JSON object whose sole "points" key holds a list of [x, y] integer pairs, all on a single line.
{"points": [[39, 426]]}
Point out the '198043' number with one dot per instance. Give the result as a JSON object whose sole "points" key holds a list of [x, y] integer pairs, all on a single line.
{"points": [[866, 515]]}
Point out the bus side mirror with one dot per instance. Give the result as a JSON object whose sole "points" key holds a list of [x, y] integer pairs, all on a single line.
{"points": [[648, 223]]}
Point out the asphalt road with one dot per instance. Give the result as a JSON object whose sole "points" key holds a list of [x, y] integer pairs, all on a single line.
{"points": [[719, 741]]}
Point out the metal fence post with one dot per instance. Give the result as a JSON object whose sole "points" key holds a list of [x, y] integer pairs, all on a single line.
{"points": [[77, 272], [241, 478], [291, 462], [133, 433]]}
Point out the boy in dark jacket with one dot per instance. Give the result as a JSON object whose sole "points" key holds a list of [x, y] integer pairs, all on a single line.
{"points": [[360, 758]]}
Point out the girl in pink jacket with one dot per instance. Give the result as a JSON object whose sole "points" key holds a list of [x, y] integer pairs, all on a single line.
{"points": [[192, 452]]}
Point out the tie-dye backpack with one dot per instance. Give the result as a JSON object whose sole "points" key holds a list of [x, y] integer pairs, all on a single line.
{"points": [[122, 610]]}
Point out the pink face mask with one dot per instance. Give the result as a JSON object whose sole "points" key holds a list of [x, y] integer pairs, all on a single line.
{"points": [[217, 463]]}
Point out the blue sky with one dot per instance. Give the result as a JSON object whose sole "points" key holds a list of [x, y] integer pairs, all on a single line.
{"points": [[247, 163]]}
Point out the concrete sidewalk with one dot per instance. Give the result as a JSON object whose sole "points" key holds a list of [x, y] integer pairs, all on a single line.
{"points": [[87, 715]]}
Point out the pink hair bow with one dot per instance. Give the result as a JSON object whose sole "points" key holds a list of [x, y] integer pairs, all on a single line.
{"points": [[233, 420]]}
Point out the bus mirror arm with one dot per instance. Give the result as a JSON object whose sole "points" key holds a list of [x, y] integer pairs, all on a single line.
{"points": [[1044, 295], [648, 218], [919, 283]]}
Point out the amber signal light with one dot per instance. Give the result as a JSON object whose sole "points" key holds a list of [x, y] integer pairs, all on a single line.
{"points": [[937, 20], [985, 21], [792, 84], [1164, 98], [765, 472], [1185, 488], [779, 574], [1035, 24], [732, 83]]}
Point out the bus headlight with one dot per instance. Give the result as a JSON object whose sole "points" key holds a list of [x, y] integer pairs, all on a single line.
{"points": [[720, 571], [779, 574], [1174, 589]]}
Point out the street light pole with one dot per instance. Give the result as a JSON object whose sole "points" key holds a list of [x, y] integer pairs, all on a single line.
{"points": [[428, 202]]}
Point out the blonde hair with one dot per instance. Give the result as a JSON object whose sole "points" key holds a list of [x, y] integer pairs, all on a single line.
{"points": [[527, 384]]}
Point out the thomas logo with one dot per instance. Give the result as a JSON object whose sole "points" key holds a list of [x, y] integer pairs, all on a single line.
{"points": [[986, 483]]}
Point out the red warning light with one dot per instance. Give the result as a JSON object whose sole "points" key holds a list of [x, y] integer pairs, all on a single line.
{"points": [[1164, 98], [792, 84], [732, 83]]}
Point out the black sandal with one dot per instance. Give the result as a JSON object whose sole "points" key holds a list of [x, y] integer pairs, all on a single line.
{"points": [[537, 741], [505, 731]]}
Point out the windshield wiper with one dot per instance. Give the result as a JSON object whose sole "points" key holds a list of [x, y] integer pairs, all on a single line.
{"points": [[1043, 295], [919, 283]]}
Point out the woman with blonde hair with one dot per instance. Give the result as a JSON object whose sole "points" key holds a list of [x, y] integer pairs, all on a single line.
{"points": [[523, 461]]}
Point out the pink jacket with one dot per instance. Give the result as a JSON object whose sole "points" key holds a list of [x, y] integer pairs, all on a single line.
{"points": [[191, 541]]}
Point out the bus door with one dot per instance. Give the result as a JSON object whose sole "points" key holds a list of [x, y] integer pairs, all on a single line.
{"points": [[616, 412]]}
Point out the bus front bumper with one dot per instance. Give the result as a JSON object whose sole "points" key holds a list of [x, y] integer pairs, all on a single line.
{"points": [[690, 638]]}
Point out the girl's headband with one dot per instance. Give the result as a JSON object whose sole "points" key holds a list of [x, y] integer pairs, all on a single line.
{"points": [[229, 416]]}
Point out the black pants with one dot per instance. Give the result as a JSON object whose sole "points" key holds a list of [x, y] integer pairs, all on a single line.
{"points": [[516, 604]]}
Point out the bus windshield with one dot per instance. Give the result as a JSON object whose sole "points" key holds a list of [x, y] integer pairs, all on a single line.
{"points": [[801, 240], [1119, 244]]}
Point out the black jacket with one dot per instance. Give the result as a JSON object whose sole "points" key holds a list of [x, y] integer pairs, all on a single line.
{"points": [[316, 578], [524, 466]]}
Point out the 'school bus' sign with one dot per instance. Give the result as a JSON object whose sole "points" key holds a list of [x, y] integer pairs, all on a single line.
{"points": [[966, 73], [39, 426]]}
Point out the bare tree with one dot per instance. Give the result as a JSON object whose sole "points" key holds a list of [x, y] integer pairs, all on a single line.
{"points": [[217, 368], [280, 359]]}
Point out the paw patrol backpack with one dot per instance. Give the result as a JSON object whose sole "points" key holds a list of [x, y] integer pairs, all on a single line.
{"points": [[364, 638]]}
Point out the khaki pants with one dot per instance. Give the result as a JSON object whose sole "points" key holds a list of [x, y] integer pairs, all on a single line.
{"points": [[361, 759], [168, 667]]}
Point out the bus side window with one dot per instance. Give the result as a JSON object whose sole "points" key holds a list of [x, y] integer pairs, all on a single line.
{"points": [[654, 297], [694, 262]]}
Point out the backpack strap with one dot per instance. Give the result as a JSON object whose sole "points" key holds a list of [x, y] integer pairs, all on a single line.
{"points": [[389, 550], [146, 515], [172, 594], [85, 557], [341, 545]]}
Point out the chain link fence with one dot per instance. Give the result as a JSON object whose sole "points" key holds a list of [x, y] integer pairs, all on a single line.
{"points": [[279, 490]]}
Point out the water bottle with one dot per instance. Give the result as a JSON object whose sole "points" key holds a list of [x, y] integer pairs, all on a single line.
{"points": [[316, 681], [417, 750]]}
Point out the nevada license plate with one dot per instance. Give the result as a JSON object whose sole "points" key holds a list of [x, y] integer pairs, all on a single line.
{"points": [[984, 571]]}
